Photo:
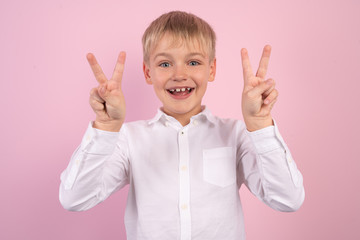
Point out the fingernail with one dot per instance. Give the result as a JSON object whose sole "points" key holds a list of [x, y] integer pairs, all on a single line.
{"points": [[269, 81]]}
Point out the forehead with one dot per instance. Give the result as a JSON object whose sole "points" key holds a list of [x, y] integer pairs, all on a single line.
{"points": [[169, 42]]}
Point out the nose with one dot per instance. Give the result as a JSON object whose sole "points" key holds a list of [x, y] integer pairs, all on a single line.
{"points": [[180, 73]]}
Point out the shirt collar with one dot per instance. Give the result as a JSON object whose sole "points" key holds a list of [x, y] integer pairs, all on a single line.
{"points": [[205, 114], [157, 117]]}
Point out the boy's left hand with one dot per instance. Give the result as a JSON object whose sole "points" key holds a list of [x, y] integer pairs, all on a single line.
{"points": [[259, 96]]}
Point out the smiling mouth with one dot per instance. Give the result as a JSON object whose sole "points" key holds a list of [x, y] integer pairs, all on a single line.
{"points": [[180, 91]]}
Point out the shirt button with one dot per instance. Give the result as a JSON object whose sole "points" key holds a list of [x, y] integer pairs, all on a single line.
{"points": [[166, 124], [289, 158], [195, 122], [184, 207], [182, 132], [88, 138], [184, 168]]}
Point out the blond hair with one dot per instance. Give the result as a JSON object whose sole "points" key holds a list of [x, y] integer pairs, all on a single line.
{"points": [[183, 26]]}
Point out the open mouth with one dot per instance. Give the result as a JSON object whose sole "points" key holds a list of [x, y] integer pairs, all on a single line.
{"points": [[180, 91]]}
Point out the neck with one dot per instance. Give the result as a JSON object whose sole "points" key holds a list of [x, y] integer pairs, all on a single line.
{"points": [[184, 118]]}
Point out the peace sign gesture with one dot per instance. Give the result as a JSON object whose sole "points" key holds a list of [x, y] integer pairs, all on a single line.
{"points": [[107, 100], [259, 96]]}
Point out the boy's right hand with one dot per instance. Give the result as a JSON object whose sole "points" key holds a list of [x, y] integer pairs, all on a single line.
{"points": [[107, 100]]}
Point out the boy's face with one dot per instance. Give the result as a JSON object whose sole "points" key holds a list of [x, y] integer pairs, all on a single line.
{"points": [[179, 72]]}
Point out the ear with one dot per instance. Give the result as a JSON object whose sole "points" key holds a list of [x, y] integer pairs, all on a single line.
{"points": [[146, 71], [212, 70]]}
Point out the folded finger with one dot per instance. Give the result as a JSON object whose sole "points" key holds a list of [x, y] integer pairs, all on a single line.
{"points": [[267, 92], [96, 102], [94, 94], [271, 97], [261, 88]]}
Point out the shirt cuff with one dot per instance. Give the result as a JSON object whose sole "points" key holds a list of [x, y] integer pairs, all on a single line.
{"points": [[96, 141], [269, 139], [266, 139]]}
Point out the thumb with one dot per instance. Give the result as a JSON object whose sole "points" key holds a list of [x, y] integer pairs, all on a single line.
{"points": [[262, 87], [103, 92]]}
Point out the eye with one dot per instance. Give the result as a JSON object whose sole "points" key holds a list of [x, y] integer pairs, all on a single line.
{"points": [[193, 63], [164, 64]]}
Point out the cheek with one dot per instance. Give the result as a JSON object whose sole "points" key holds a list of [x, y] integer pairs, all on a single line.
{"points": [[201, 78], [158, 85], [161, 76], [157, 79]]}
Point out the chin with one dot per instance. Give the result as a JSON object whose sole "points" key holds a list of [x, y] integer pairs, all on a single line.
{"points": [[183, 109]]}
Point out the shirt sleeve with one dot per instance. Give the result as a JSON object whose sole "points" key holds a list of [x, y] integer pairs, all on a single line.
{"points": [[97, 168], [269, 170]]}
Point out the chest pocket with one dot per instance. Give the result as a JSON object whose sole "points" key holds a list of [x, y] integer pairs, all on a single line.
{"points": [[219, 166]]}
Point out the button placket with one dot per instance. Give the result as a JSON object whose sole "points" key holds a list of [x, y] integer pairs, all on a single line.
{"points": [[184, 181], [288, 157]]}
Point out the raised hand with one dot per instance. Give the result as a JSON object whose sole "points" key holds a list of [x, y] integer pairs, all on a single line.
{"points": [[107, 100], [259, 95]]}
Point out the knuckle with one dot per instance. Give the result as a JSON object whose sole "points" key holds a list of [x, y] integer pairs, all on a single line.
{"points": [[112, 84], [93, 91], [92, 101]]}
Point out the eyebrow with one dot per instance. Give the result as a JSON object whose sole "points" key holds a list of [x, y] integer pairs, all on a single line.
{"points": [[169, 55]]}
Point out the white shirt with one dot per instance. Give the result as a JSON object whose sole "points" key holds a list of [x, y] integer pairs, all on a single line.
{"points": [[184, 181]]}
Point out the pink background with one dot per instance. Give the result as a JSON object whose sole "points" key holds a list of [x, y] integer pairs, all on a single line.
{"points": [[45, 83]]}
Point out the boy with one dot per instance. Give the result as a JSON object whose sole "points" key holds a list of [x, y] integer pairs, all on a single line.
{"points": [[185, 166]]}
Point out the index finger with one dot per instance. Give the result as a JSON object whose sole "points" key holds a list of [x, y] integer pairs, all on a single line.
{"points": [[95, 67], [264, 62], [119, 67], [247, 71]]}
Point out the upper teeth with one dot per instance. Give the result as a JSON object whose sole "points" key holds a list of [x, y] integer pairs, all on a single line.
{"points": [[179, 89]]}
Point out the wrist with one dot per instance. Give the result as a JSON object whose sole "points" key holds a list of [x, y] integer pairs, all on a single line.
{"points": [[113, 126], [254, 124]]}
